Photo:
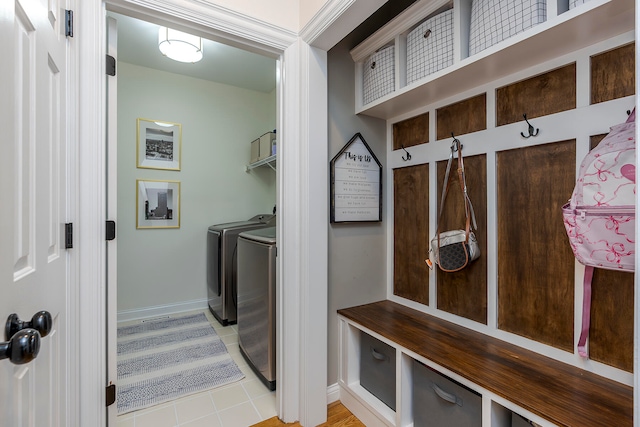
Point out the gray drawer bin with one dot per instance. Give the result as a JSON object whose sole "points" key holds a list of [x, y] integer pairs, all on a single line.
{"points": [[378, 369], [439, 401], [520, 421]]}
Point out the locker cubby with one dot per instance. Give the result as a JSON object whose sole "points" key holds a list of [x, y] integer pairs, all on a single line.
{"points": [[498, 377], [561, 32]]}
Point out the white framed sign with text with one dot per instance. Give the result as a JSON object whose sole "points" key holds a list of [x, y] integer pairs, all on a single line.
{"points": [[356, 183]]}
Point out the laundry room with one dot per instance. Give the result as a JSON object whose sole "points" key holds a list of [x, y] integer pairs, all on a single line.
{"points": [[160, 267], [188, 159]]}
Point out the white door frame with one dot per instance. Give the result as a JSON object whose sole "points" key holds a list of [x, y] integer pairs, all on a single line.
{"points": [[302, 188]]}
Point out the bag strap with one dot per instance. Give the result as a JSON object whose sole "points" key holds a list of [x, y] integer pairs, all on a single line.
{"points": [[468, 207], [586, 310]]}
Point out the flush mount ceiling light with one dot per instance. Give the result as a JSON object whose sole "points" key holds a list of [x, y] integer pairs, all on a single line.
{"points": [[179, 46]]}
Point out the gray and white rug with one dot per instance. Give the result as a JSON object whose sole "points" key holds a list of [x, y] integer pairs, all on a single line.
{"points": [[161, 360]]}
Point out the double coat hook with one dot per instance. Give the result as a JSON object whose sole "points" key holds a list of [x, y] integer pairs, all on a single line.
{"points": [[532, 131], [408, 154]]}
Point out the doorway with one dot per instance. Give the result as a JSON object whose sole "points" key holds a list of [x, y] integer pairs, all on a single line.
{"points": [[161, 269]]}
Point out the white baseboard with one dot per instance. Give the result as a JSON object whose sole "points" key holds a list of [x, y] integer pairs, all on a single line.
{"points": [[161, 310], [333, 393], [361, 410]]}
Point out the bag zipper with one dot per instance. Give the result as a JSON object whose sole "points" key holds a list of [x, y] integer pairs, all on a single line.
{"points": [[583, 212]]}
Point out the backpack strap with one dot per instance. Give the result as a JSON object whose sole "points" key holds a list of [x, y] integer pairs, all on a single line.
{"points": [[586, 310], [632, 116]]}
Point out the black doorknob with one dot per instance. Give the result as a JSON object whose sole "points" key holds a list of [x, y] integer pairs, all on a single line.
{"points": [[41, 322], [22, 348]]}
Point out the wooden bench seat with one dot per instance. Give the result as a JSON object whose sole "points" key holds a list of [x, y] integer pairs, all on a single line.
{"points": [[563, 394]]}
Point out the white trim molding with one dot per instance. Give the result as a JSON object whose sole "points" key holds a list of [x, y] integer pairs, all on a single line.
{"points": [[162, 310], [220, 23], [333, 393], [335, 20], [90, 36], [326, 16]]}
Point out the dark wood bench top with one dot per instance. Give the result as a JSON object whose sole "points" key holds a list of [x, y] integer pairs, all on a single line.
{"points": [[561, 393]]}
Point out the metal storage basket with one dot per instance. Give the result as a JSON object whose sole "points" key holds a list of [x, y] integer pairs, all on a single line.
{"points": [[494, 21], [430, 46], [574, 3], [379, 74]]}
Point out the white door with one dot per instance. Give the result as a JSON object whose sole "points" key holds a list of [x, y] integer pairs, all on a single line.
{"points": [[34, 195]]}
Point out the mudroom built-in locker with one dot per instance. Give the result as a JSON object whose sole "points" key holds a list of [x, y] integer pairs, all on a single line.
{"points": [[525, 111]]}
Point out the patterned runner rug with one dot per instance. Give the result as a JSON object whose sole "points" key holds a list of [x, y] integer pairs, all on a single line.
{"points": [[161, 360]]}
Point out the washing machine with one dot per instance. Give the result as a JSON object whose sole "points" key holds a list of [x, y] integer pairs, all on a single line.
{"points": [[257, 302], [222, 240]]}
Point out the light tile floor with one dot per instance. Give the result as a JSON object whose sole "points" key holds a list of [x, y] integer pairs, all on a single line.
{"points": [[239, 404]]}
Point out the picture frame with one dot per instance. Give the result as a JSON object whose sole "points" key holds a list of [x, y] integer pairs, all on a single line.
{"points": [[159, 144], [157, 204]]}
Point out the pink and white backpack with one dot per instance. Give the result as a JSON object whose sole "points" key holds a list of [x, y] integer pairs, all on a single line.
{"points": [[600, 216]]}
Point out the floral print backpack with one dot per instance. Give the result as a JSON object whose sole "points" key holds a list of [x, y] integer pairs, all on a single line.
{"points": [[599, 218]]}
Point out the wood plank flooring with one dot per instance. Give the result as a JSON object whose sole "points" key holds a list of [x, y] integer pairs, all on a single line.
{"points": [[338, 416]]}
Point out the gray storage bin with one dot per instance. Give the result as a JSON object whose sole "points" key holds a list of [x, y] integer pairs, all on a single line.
{"points": [[430, 46], [379, 75], [378, 369], [520, 421], [439, 401]]}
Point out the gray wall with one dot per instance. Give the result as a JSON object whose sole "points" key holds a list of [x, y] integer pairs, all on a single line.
{"points": [[166, 267], [357, 251]]}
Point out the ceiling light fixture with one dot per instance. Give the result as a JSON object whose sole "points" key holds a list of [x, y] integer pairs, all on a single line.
{"points": [[179, 46]]}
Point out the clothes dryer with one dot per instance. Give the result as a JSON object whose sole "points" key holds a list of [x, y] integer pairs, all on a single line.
{"points": [[257, 302], [222, 240]]}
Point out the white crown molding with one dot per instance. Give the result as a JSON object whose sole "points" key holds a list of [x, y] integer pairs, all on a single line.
{"points": [[221, 23], [322, 20], [335, 20]]}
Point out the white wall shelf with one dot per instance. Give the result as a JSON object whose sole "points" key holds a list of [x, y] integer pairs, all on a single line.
{"points": [[269, 161], [563, 31]]}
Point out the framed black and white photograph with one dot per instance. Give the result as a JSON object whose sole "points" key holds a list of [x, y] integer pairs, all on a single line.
{"points": [[157, 204], [159, 144]]}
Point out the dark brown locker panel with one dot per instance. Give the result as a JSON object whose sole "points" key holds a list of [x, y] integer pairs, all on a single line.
{"points": [[548, 93], [613, 74], [465, 292], [411, 232], [469, 115], [535, 261], [611, 332], [411, 132]]}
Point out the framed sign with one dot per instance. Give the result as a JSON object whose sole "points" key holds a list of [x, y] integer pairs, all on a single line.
{"points": [[356, 183]]}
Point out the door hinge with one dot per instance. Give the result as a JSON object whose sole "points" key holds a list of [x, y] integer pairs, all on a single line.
{"points": [[68, 23], [110, 394], [111, 65], [111, 230], [68, 235]]}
